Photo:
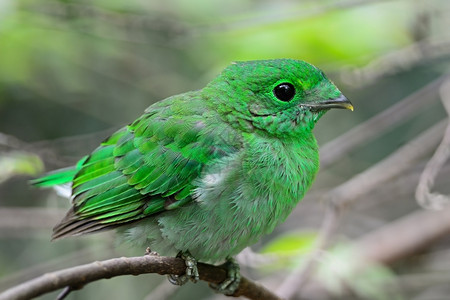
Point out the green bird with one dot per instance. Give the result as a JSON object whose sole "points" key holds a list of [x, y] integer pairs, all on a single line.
{"points": [[206, 173]]}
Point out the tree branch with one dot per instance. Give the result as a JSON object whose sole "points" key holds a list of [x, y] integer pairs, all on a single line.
{"points": [[397, 240], [424, 196], [354, 189], [386, 245], [77, 277], [380, 123]]}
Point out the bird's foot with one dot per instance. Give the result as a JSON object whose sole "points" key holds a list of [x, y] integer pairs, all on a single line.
{"points": [[229, 286], [149, 251], [191, 270]]}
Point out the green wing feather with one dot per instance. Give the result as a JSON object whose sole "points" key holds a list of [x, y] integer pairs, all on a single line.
{"points": [[58, 177], [141, 170]]}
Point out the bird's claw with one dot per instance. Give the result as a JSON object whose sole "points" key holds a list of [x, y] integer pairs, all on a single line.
{"points": [[149, 251], [231, 283], [191, 270]]}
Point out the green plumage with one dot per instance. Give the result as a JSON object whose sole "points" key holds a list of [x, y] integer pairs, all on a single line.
{"points": [[208, 171]]}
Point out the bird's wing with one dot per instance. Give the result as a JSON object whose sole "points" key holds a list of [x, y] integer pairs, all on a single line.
{"points": [[142, 169]]}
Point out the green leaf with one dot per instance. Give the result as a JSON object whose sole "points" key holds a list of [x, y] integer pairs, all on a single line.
{"points": [[341, 268], [19, 163], [290, 248]]}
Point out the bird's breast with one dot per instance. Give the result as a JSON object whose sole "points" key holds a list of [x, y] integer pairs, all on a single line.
{"points": [[246, 195]]}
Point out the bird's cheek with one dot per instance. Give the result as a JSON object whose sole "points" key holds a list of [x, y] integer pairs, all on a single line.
{"points": [[257, 109]]}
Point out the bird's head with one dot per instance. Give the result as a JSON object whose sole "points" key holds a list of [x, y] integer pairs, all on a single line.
{"points": [[279, 97]]}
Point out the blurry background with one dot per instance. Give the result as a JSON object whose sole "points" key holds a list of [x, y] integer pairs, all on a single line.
{"points": [[72, 72]]}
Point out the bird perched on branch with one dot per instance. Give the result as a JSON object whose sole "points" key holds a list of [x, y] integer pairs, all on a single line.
{"points": [[206, 173]]}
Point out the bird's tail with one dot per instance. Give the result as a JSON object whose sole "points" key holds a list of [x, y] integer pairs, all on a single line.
{"points": [[58, 177]]}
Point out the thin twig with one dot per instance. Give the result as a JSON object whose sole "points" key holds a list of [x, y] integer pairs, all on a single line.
{"points": [[80, 256], [423, 192], [84, 274], [388, 244], [355, 188], [64, 293], [390, 167], [398, 60], [130, 27], [382, 122], [397, 240], [299, 277], [11, 142]]}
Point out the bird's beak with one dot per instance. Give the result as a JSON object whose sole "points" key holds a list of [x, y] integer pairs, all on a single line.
{"points": [[339, 102]]}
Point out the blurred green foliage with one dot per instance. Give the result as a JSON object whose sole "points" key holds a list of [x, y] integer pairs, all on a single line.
{"points": [[341, 268], [19, 163], [103, 62], [290, 248]]}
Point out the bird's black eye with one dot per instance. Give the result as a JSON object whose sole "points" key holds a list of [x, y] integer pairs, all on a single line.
{"points": [[284, 91]]}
